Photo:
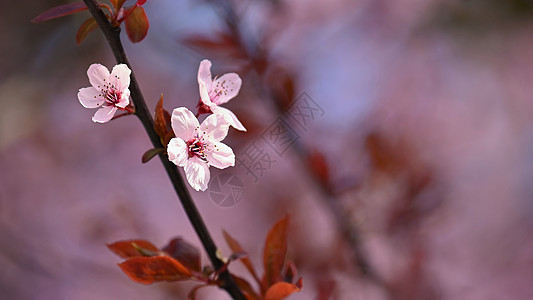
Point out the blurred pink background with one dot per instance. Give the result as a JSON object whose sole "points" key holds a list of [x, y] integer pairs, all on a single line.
{"points": [[427, 108]]}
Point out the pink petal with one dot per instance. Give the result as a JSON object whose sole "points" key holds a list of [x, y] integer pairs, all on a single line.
{"points": [[183, 123], [197, 173], [97, 73], [221, 157], [228, 86], [104, 114], [215, 127], [90, 97], [121, 76], [204, 95], [204, 73], [177, 152], [124, 99], [229, 116]]}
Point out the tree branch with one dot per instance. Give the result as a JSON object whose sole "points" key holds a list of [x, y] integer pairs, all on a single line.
{"points": [[112, 35]]}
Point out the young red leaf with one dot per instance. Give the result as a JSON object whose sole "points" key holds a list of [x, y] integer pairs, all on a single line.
{"points": [[290, 272], [60, 11], [149, 154], [299, 283], [325, 289], [156, 268], [129, 248], [246, 288], [223, 42], [280, 290], [275, 251], [168, 137], [185, 253], [87, 27], [237, 255], [137, 25], [318, 164], [161, 126], [141, 2], [282, 83], [117, 4], [236, 248], [167, 116]]}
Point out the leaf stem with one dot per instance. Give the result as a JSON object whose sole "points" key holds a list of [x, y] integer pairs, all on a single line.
{"points": [[112, 35]]}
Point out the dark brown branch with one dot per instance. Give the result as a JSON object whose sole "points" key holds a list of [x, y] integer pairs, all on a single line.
{"points": [[112, 35]]}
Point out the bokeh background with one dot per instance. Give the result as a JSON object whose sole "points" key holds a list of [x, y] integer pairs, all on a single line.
{"points": [[414, 183]]}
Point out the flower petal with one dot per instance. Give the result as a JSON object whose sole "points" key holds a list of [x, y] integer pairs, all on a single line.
{"points": [[104, 114], [98, 75], [228, 86], [90, 97], [121, 76], [184, 123], [215, 127], [204, 73], [221, 157], [197, 173], [204, 95], [124, 99], [177, 151], [229, 116]]}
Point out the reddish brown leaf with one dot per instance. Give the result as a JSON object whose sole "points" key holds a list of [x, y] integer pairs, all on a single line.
{"points": [[236, 247], [160, 120], [222, 43], [137, 25], [280, 290], [290, 272], [60, 11], [237, 255], [282, 84], [87, 27], [299, 283], [157, 268], [319, 166], [129, 248], [325, 289], [117, 4], [386, 155], [149, 154], [168, 137], [185, 253], [275, 251], [246, 288], [167, 117], [141, 2]]}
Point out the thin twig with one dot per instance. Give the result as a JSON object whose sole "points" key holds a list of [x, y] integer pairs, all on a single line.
{"points": [[112, 35]]}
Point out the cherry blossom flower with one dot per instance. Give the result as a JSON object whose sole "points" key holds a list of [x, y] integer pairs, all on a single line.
{"points": [[216, 92], [196, 147], [108, 92]]}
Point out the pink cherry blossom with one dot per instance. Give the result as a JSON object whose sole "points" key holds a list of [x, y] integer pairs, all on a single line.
{"points": [[196, 147], [108, 92], [216, 92]]}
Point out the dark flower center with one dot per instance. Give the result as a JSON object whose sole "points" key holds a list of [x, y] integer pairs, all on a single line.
{"points": [[112, 96], [196, 147]]}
